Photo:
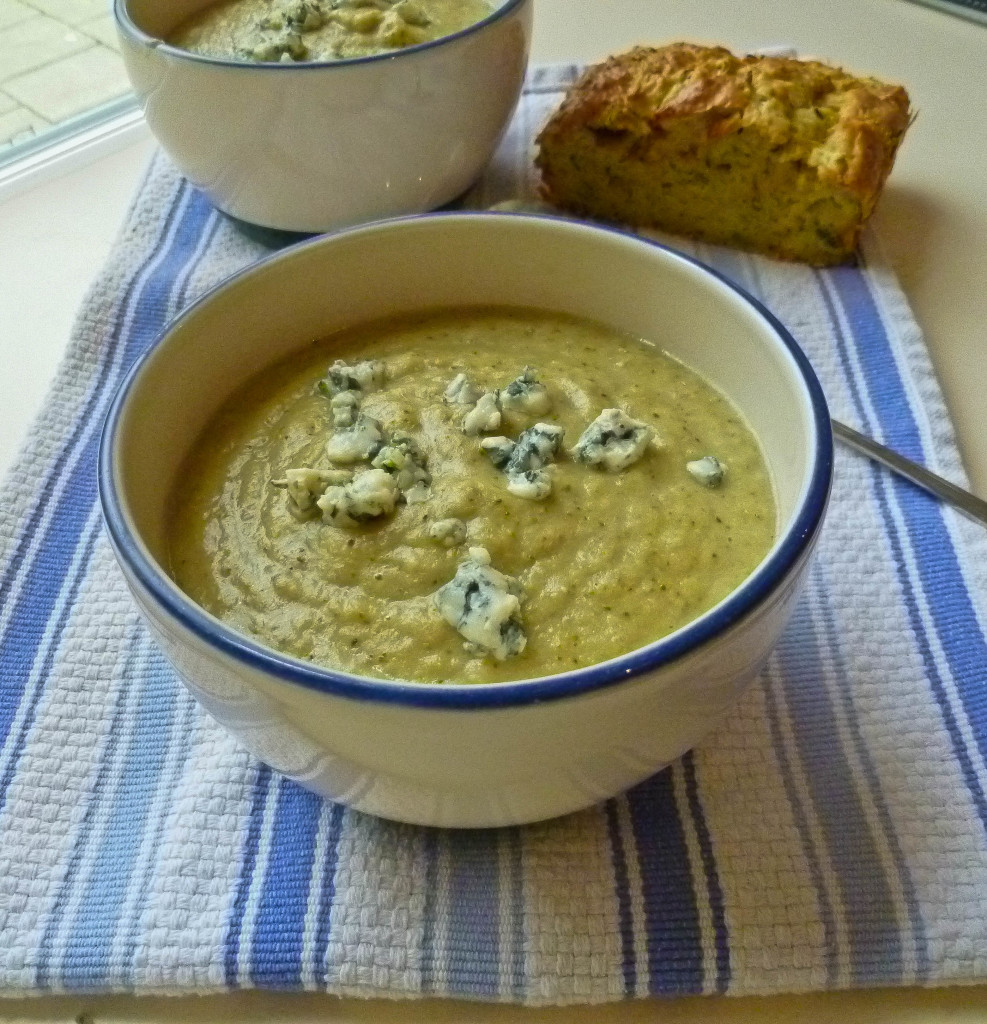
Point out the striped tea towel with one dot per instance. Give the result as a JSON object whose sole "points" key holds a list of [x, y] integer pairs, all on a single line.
{"points": [[832, 833]]}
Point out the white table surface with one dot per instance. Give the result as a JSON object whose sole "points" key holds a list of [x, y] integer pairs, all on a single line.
{"points": [[933, 218]]}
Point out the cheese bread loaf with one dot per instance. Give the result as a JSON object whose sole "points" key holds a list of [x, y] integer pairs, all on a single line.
{"points": [[781, 156]]}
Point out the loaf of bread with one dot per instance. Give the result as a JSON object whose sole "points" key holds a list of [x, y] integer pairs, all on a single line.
{"points": [[781, 156]]}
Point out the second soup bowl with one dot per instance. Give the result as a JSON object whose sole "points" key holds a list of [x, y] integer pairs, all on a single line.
{"points": [[309, 146]]}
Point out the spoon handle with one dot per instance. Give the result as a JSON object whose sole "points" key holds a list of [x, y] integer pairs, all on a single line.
{"points": [[963, 501]]}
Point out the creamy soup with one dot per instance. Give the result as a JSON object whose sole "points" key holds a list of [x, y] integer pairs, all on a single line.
{"points": [[286, 31], [470, 496]]}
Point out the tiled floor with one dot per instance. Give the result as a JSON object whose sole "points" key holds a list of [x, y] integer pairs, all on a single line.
{"points": [[58, 58]]}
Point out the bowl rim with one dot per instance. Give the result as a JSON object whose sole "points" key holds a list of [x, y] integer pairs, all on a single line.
{"points": [[769, 575], [128, 26]]}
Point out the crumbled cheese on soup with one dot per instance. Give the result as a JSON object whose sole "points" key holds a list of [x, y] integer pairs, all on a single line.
{"points": [[344, 407], [535, 448], [304, 486], [613, 440], [708, 470], [344, 385], [500, 450], [299, 30], [484, 606], [356, 442], [404, 460], [526, 460], [533, 484], [526, 394], [484, 416], [461, 391], [448, 532], [367, 375], [371, 494]]}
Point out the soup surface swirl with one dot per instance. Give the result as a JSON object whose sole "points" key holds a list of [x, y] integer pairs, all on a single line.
{"points": [[608, 562]]}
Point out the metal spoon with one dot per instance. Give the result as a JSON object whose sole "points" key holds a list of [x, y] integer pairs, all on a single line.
{"points": [[963, 501]]}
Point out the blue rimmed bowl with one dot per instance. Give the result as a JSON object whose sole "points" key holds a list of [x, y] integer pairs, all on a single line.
{"points": [[311, 146], [450, 755]]}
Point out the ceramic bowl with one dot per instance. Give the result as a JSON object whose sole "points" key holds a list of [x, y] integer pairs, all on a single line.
{"points": [[460, 755], [311, 146]]}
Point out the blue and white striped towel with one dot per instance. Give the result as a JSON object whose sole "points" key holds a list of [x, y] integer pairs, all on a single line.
{"points": [[833, 833]]}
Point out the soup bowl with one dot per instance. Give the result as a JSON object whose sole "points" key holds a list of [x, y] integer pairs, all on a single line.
{"points": [[309, 146], [454, 754]]}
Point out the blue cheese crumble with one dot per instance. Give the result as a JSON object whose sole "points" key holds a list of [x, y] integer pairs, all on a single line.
{"points": [[357, 442], [345, 385], [405, 461], [344, 407], [365, 376], [613, 440], [533, 484], [708, 470], [305, 486], [369, 495], [461, 391], [484, 416], [526, 394], [535, 448], [526, 461], [448, 532], [484, 606], [303, 16], [500, 450]]}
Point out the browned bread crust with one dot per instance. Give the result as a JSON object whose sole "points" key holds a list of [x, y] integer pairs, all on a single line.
{"points": [[781, 156]]}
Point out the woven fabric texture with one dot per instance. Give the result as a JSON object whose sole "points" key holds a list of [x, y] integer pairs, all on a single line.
{"points": [[832, 833]]}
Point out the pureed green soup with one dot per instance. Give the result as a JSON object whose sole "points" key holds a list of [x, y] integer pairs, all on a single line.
{"points": [[286, 31], [472, 495]]}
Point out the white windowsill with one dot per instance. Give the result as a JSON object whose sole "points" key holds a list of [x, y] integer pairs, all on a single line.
{"points": [[60, 211], [73, 152]]}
